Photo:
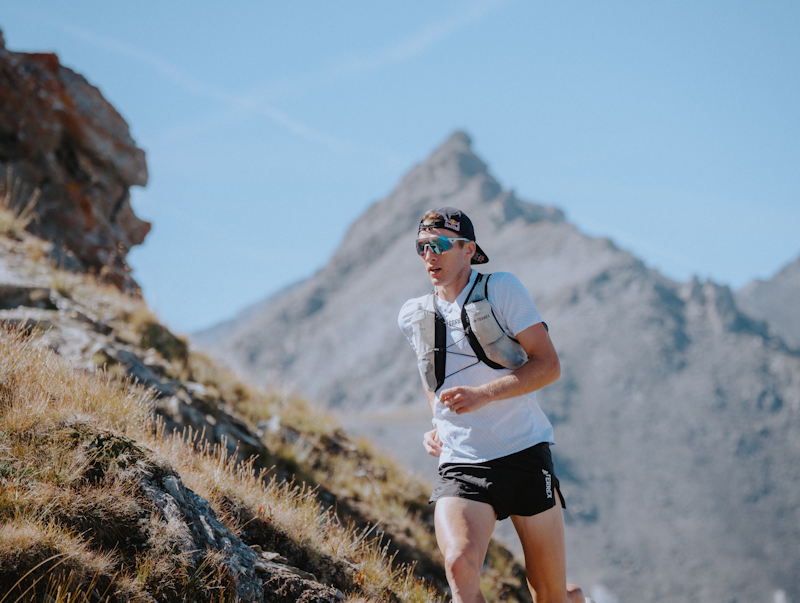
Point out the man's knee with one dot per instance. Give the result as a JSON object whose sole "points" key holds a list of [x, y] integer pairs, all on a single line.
{"points": [[462, 568]]}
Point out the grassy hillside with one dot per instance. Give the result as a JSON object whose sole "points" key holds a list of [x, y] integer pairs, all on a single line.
{"points": [[108, 493]]}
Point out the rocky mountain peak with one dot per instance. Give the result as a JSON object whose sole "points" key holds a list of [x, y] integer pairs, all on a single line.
{"points": [[455, 166], [447, 172], [456, 154], [60, 136]]}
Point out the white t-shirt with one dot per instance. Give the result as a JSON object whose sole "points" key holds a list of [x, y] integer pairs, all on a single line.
{"points": [[501, 427]]}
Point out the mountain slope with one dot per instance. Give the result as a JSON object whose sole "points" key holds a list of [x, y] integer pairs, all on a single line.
{"points": [[677, 417]]}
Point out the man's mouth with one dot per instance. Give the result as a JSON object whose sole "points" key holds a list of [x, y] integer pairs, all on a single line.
{"points": [[434, 271]]}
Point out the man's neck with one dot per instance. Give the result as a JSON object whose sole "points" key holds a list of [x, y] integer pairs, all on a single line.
{"points": [[450, 292]]}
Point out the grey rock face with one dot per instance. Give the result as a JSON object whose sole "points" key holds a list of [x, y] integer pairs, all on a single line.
{"points": [[777, 302], [196, 530], [677, 416], [259, 576]]}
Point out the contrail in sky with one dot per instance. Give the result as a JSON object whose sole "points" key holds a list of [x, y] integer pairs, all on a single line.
{"points": [[186, 81], [257, 102], [399, 52], [415, 44]]}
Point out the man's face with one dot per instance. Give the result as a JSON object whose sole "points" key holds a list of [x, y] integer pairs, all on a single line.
{"points": [[447, 267]]}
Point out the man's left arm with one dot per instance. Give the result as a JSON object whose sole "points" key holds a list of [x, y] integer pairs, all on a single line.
{"points": [[542, 368]]}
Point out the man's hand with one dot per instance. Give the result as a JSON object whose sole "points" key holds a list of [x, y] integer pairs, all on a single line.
{"points": [[463, 399], [542, 368], [432, 443]]}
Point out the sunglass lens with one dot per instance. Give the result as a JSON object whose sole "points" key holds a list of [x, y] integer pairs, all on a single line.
{"points": [[443, 244], [437, 244]]}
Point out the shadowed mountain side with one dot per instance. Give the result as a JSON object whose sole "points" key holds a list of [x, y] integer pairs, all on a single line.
{"points": [[776, 301], [677, 417]]}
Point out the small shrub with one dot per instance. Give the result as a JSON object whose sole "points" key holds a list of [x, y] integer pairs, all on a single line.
{"points": [[171, 347]]}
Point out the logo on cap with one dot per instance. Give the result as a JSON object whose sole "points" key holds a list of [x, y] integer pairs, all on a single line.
{"points": [[452, 225]]}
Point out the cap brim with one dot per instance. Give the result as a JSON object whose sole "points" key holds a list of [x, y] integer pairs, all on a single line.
{"points": [[479, 257]]}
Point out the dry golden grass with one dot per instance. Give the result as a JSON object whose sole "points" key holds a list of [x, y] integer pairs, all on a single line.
{"points": [[257, 405], [101, 301], [58, 475], [37, 557], [17, 204]]}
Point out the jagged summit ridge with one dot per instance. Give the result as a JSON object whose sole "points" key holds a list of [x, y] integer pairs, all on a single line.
{"points": [[456, 155], [456, 162], [776, 301]]}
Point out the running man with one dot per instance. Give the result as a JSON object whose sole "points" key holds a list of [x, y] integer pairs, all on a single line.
{"points": [[481, 364]]}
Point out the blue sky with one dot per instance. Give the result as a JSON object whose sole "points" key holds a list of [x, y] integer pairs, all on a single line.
{"points": [[672, 128]]}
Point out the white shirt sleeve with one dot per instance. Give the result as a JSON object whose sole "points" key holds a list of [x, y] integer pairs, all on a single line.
{"points": [[512, 304]]}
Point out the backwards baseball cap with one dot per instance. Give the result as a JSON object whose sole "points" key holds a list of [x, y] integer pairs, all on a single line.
{"points": [[457, 221]]}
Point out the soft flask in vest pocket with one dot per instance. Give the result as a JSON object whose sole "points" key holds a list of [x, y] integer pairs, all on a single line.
{"points": [[498, 347], [424, 333]]}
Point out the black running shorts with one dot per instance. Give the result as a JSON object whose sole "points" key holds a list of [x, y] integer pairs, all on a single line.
{"points": [[522, 483]]}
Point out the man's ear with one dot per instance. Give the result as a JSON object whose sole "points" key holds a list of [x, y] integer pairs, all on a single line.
{"points": [[472, 247]]}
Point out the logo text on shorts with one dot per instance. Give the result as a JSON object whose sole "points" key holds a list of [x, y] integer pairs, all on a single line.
{"points": [[548, 483]]}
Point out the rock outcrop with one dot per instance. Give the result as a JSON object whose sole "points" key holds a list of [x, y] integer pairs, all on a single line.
{"points": [[58, 134], [87, 333], [677, 416], [776, 301], [258, 575]]}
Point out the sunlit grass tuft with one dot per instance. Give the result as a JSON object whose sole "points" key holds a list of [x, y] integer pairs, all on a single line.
{"points": [[17, 204]]}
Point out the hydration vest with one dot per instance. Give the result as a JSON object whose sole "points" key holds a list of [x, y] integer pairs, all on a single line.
{"points": [[491, 344]]}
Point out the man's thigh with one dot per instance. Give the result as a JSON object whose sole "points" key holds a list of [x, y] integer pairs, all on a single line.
{"points": [[464, 527], [542, 538]]}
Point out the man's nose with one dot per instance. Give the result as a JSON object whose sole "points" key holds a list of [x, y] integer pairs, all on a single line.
{"points": [[429, 253]]}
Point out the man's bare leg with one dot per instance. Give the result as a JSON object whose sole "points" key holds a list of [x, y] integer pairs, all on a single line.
{"points": [[542, 538], [463, 530]]}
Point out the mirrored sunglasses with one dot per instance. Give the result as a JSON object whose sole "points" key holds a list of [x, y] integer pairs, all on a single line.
{"points": [[438, 245]]}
